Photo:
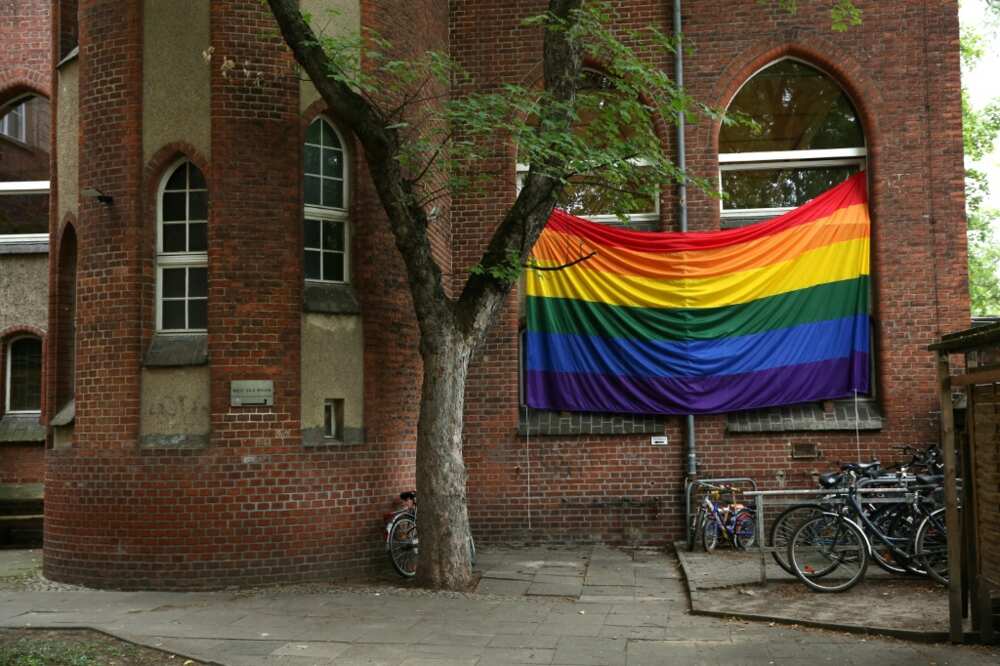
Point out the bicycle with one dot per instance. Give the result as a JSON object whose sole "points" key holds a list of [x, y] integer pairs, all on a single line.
{"points": [[735, 522], [401, 541], [838, 541]]}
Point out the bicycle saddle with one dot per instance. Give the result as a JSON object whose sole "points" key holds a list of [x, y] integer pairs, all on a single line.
{"points": [[862, 468], [408, 495], [930, 479], [830, 479]]}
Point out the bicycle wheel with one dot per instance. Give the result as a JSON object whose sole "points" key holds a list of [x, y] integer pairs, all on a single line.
{"points": [[895, 523], [930, 546], [694, 529], [402, 544], [744, 529], [828, 554], [709, 533], [472, 551], [784, 527]]}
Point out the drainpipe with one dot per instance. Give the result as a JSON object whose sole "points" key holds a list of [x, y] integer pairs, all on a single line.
{"points": [[692, 456]]}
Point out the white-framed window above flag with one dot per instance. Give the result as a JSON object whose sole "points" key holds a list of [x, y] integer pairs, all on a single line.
{"points": [[806, 139]]}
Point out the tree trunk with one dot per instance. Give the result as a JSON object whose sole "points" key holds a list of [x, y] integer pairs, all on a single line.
{"points": [[444, 520]]}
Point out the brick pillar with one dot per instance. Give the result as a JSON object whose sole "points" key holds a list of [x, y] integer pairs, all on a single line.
{"points": [[255, 279]]}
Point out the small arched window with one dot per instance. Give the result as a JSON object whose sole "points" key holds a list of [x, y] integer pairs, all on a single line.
{"points": [[809, 138], [24, 375], [182, 251], [325, 218]]}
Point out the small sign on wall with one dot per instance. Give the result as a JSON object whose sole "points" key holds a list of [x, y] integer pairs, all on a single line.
{"points": [[251, 393]]}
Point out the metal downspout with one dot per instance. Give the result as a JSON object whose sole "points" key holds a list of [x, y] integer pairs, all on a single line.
{"points": [[692, 456]]}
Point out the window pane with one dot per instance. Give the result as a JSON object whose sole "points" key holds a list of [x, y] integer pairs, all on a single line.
{"points": [[174, 206], [198, 313], [313, 133], [333, 193], [333, 266], [312, 190], [329, 136], [197, 282], [311, 155], [173, 282], [312, 233], [173, 315], [24, 213], [333, 163], [797, 107], [26, 375], [333, 236], [198, 206], [197, 178], [591, 199], [778, 188], [178, 179], [311, 267], [197, 240], [173, 238]]}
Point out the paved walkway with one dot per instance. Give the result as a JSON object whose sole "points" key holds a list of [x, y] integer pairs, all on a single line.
{"points": [[534, 606]]}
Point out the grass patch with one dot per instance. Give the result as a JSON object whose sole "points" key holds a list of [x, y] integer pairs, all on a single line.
{"points": [[30, 647]]}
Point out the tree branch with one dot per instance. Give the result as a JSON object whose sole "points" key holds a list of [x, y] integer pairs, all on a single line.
{"points": [[381, 145], [484, 292], [536, 267]]}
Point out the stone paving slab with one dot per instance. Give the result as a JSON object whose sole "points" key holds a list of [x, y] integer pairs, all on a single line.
{"points": [[396, 626]]}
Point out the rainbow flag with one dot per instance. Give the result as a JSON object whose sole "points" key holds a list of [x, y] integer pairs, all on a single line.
{"points": [[774, 313]]}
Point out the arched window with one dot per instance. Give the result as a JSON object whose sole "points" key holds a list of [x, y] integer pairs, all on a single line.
{"points": [[182, 251], [325, 233], [809, 138], [24, 375]]}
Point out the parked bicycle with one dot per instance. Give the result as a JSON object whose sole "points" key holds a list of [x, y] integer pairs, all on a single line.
{"points": [[721, 517], [887, 516], [401, 541], [830, 551]]}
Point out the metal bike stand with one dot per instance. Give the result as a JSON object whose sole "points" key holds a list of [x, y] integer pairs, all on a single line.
{"points": [[831, 495]]}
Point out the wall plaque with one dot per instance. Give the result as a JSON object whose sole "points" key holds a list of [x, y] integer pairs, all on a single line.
{"points": [[251, 392]]}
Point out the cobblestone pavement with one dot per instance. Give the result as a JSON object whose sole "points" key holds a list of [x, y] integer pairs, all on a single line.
{"points": [[578, 606]]}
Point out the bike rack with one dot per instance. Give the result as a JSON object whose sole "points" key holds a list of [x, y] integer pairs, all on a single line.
{"points": [[706, 482], [831, 495]]}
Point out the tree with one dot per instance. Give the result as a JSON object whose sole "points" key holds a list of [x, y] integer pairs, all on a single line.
{"points": [[420, 138], [980, 128]]}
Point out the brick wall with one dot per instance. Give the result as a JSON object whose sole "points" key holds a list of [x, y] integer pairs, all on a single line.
{"points": [[620, 488], [254, 506]]}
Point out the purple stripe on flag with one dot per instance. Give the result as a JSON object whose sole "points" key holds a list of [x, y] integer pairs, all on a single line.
{"points": [[806, 382]]}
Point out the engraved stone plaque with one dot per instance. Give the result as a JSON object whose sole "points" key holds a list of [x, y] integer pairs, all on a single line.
{"points": [[251, 392]]}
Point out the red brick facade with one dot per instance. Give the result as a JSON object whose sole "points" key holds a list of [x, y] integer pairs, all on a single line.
{"points": [[256, 506]]}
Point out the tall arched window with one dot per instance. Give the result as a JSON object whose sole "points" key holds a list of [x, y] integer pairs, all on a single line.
{"points": [[325, 219], [24, 375], [809, 139], [182, 251]]}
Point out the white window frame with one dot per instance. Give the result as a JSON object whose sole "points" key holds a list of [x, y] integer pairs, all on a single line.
{"points": [[18, 108], [610, 218], [329, 213], [165, 260], [8, 386]]}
